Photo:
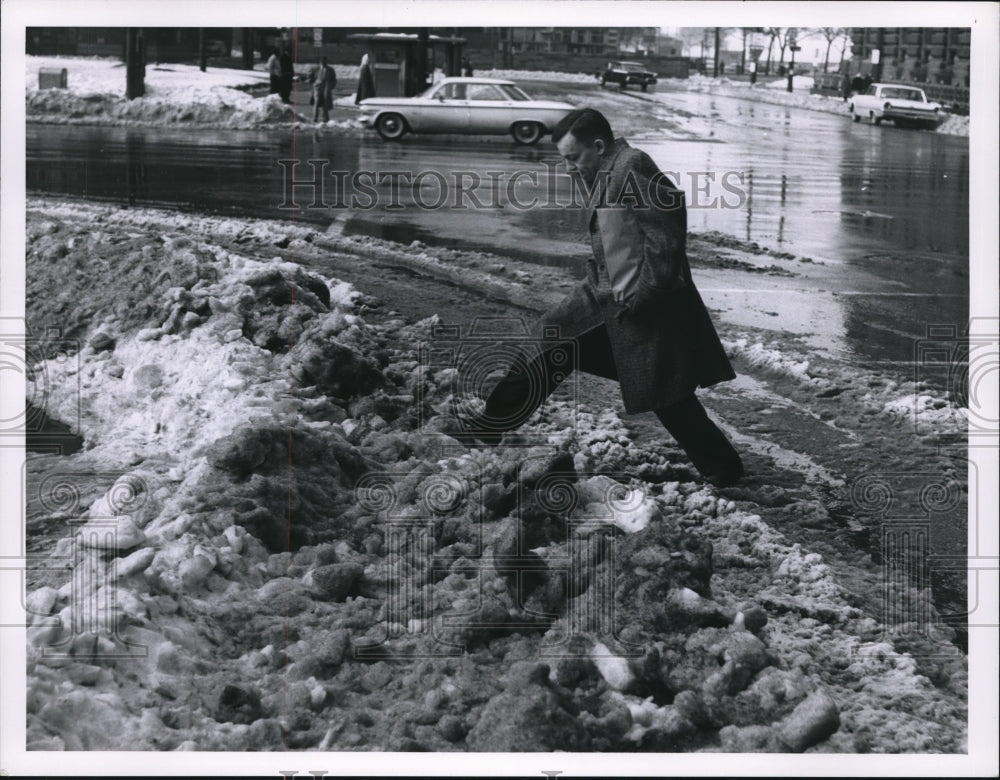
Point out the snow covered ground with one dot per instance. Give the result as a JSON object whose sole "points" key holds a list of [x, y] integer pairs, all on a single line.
{"points": [[258, 426], [182, 94], [775, 92], [175, 94], [265, 434]]}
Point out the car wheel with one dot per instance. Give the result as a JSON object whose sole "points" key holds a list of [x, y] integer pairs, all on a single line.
{"points": [[526, 133], [644, 87], [603, 81], [391, 126], [623, 85], [877, 120], [854, 114]]}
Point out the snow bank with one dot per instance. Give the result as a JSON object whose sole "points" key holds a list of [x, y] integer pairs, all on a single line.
{"points": [[297, 545], [775, 92], [175, 94]]}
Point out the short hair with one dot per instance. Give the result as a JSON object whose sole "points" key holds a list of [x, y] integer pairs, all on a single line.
{"points": [[586, 125]]}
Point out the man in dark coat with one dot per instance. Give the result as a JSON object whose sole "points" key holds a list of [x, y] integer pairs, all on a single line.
{"points": [[637, 316], [287, 75]]}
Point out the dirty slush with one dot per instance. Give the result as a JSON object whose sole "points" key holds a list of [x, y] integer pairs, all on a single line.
{"points": [[274, 544], [249, 528]]}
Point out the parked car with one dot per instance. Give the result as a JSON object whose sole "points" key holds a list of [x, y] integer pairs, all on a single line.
{"points": [[625, 73], [904, 106], [477, 106], [216, 48]]}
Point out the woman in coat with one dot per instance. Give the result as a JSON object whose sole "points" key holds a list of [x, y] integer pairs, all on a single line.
{"points": [[637, 316], [366, 82]]}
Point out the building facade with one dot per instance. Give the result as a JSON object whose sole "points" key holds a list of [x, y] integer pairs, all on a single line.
{"points": [[609, 41], [932, 55]]}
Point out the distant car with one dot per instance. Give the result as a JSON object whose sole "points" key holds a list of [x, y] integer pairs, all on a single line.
{"points": [[216, 48], [478, 106], [904, 106], [624, 73]]}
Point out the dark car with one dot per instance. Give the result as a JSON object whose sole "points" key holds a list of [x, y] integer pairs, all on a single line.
{"points": [[624, 73]]}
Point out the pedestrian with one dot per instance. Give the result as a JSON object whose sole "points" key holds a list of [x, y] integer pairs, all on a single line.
{"points": [[286, 74], [637, 316], [273, 73], [366, 82], [857, 84], [323, 84], [845, 85], [466, 67]]}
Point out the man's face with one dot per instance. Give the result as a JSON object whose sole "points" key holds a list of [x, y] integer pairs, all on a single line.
{"points": [[582, 157]]}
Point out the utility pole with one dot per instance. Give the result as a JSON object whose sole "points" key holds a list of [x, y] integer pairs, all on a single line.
{"points": [[877, 65], [248, 48], [202, 50], [135, 63], [715, 62]]}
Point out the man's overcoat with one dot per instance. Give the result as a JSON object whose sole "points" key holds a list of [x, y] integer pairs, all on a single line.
{"points": [[662, 338]]}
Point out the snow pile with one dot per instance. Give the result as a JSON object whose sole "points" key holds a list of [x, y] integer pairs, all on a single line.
{"points": [[175, 94], [799, 82], [775, 92], [89, 75], [298, 554], [927, 411], [772, 359], [955, 125]]}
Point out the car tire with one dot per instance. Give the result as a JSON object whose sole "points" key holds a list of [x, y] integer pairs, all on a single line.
{"points": [[603, 81], [526, 133], [855, 116], [644, 86], [623, 86], [876, 120], [391, 127]]}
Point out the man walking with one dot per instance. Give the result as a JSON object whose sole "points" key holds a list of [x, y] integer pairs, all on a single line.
{"points": [[326, 80], [637, 316]]}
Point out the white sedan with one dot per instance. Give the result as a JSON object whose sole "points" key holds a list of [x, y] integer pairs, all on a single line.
{"points": [[905, 106], [465, 105]]}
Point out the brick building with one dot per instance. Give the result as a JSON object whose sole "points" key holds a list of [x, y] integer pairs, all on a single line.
{"points": [[933, 55]]}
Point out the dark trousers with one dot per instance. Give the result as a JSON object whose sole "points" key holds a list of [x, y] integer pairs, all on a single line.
{"points": [[526, 386]]}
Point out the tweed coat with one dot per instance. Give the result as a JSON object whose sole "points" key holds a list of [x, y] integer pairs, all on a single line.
{"points": [[662, 338]]}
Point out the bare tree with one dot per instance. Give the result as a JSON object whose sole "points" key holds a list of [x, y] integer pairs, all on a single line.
{"points": [[773, 33], [693, 36], [781, 37], [627, 37], [828, 34]]}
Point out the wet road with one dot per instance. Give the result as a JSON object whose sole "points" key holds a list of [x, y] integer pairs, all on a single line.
{"points": [[883, 211]]}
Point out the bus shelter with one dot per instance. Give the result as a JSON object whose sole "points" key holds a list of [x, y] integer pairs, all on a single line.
{"points": [[403, 64]]}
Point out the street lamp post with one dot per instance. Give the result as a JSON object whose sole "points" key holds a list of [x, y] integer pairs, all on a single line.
{"points": [[791, 67]]}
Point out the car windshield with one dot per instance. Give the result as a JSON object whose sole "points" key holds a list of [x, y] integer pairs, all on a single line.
{"points": [[900, 93], [514, 93], [632, 67]]}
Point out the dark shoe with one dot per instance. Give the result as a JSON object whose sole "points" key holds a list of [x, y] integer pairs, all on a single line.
{"points": [[471, 433], [724, 479]]}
